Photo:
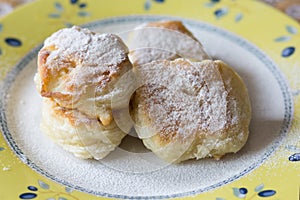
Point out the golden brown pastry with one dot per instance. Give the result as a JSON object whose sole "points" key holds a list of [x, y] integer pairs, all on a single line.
{"points": [[190, 110], [77, 71], [78, 133], [164, 40]]}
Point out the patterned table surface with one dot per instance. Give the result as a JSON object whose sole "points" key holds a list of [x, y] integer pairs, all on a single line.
{"points": [[290, 7]]}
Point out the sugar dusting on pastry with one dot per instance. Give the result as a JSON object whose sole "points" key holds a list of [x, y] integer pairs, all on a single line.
{"points": [[186, 110], [175, 88], [75, 67], [164, 40], [193, 113]]}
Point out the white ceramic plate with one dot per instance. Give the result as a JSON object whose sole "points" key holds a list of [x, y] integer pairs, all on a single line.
{"points": [[124, 173]]}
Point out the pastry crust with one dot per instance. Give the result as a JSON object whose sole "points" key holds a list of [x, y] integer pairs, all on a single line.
{"points": [[78, 69], [172, 25], [201, 109], [78, 133], [77, 73], [164, 40]]}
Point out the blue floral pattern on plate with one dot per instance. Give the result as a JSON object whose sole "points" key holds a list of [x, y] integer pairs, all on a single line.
{"points": [[10, 41], [291, 32], [44, 188], [239, 192], [148, 3], [220, 12], [295, 153], [59, 11], [244, 193]]}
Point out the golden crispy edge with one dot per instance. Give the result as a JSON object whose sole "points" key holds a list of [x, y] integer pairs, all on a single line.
{"points": [[162, 139], [47, 75], [172, 25]]}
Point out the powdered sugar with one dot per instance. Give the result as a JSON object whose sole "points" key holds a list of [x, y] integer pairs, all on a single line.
{"points": [[114, 175], [147, 44], [183, 97], [78, 65], [86, 48]]}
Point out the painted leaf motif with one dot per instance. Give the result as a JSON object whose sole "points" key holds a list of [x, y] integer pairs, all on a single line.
{"points": [[68, 190], [43, 185], [28, 195], [296, 93], [209, 4], [238, 17], [283, 38], [295, 157], [221, 12], [51, 198], [267, 193], [62, 198], [292, 147], [54, 15], [14, 42], [1, 27], [58, 6], [218, 198], [159, 1], [83, 14], [259, 188], [73, 1], [68, 25], [82, 5], [32, 188], [147, 5], [291, 29], [236, 192], [243, 190], [288, 51], [1, 148]]}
